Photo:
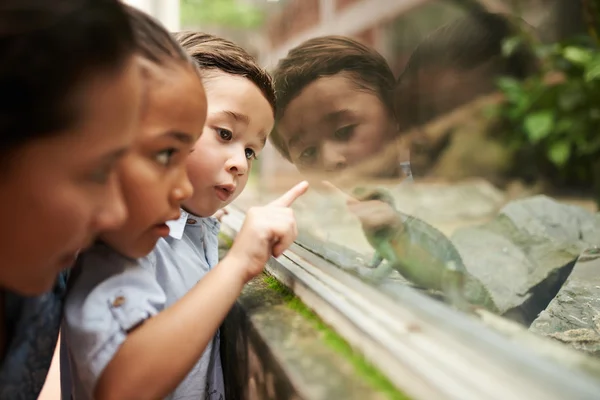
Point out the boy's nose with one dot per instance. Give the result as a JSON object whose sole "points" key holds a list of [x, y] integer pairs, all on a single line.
{"points": [[237, 164], [333, 157], [112, 209]]}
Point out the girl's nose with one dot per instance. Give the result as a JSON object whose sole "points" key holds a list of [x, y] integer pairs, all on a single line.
{"points": [[183, 190], [112, 208]]}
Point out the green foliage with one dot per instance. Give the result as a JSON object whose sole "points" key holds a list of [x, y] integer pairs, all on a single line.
{"points": [[224, 13], [556, 123]]}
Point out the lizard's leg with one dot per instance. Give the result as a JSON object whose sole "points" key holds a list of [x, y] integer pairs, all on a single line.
{"points": [[380, 273], [383, 269], [376, 261]]}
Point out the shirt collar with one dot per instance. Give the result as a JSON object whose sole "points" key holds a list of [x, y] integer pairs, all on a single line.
{"points": [[177, 226]]}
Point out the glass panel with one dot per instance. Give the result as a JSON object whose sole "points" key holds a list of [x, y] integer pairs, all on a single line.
{"points": [[450, 145]]}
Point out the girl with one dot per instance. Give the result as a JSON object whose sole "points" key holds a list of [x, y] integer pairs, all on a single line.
{"points": [[64, 123]]}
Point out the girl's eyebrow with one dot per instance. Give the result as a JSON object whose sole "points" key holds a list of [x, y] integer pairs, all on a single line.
{"points": [[182, 137]]}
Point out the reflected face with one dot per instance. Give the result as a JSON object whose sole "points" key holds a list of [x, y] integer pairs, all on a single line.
{"points": [[333, 124], [154, 174], [58, 192], [238, 122]]}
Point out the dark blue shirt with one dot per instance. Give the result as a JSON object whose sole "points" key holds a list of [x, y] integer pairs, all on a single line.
{"points": [[32, 327]]}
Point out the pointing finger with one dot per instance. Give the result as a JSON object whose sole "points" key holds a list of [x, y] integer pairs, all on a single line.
{"points": [[291, 195]]}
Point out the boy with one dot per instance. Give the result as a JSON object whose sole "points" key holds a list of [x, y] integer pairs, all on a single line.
{"points": [[241, 107], [335, 113]]}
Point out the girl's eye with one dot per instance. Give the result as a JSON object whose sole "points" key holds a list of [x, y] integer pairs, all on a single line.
{"points": [[101, 175], [224, 134], [250, 154], [164, 157], [308, 155], [344, 133]]}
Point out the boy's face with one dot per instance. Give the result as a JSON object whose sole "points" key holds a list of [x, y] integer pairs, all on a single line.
{"points": [[238, 121], [153, 174], [333, 124]]}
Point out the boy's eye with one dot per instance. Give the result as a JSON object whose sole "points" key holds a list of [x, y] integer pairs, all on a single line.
{"points": [[250, 154], [164, 157], [224, 134], [344, 133]]}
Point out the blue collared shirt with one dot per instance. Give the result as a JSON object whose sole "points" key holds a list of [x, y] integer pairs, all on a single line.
{"points": [[112, 295]]}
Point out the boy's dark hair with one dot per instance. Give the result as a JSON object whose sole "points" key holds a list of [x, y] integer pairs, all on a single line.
{"points": [[49, 49], [462, 45], [153, 40], [214, 53], [325, 56]]}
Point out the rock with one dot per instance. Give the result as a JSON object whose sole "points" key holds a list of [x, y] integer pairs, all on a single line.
{"points": [[522, 253], [573, 317], [542, 216], [522, 272]]}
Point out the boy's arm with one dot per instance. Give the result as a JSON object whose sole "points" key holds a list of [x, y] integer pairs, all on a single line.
{"points": [[158, 355]]}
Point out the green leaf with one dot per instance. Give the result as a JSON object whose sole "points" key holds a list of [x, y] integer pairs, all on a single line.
{"points": [[577, 55], [592, 72], [571, 97], [559, 153], [538, 125], [510, 45]]}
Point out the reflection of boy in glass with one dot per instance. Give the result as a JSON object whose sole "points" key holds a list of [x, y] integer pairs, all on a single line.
{"points": [[335, 110]]}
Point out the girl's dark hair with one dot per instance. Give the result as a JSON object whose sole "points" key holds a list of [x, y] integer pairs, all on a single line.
{"points": [[153, 41], [461, 45], [471, 41], [48, 50]]}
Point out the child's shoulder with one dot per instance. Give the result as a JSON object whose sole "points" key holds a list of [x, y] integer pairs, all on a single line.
{"points": [[100, 263]]}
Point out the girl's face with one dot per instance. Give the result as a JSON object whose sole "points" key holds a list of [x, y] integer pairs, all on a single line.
{"points": [[58, 192], [332, 125], [153, 174]]}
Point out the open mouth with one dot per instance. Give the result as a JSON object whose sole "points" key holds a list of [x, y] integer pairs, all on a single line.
{"points": [[224, 192]]}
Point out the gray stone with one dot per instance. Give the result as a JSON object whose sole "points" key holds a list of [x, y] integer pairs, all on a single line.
{"points": [[545, 217], [521, 271], [522, 253], [573, 317]]}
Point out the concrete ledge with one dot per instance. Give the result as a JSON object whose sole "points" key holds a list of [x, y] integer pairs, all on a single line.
{"points": [[273, 348]]}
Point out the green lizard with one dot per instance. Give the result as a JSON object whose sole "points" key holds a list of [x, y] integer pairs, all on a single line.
{"points": [[421, 254]]}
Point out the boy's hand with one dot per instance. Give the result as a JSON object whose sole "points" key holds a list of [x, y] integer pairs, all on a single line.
{"points": [[267, 231]]}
